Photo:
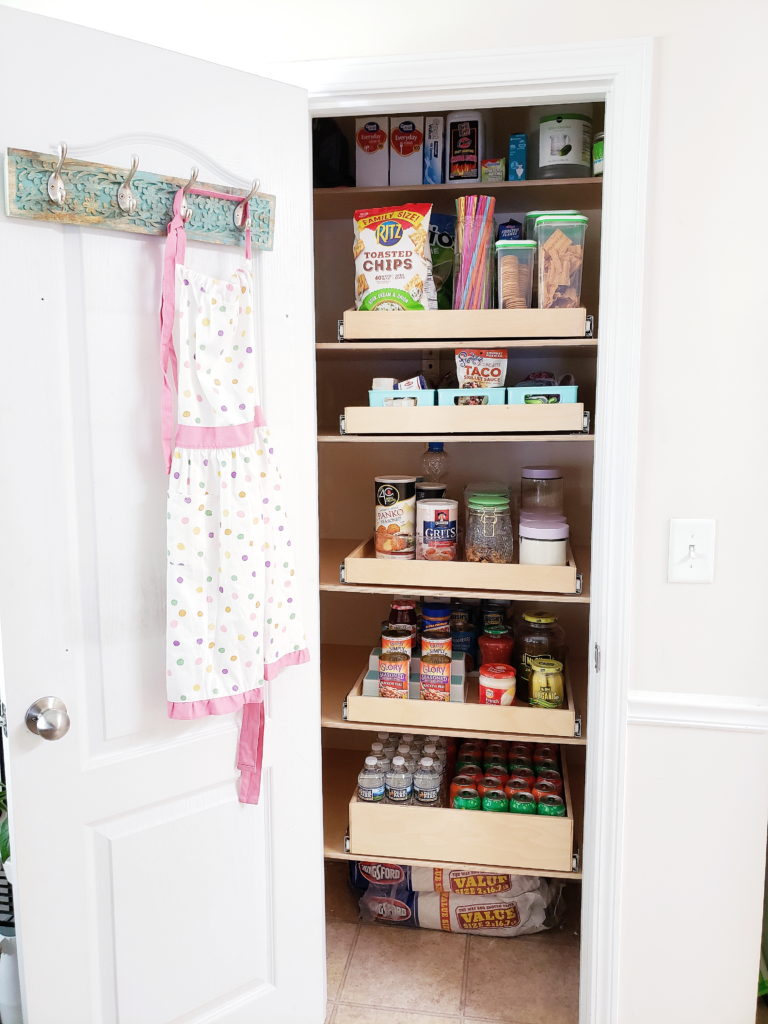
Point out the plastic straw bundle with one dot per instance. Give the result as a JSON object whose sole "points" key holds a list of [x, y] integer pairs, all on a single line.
{"points": [[473, 254]]}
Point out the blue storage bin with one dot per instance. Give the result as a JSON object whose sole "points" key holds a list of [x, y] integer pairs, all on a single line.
{"points": [[494, 396], [376, 398], [530, 394]]}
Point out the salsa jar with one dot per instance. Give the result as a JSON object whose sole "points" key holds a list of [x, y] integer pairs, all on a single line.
{"points": [[538, 636], [496, 645]]}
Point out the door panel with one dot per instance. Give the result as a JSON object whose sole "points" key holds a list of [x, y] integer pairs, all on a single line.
{"points": [[145, 894]]}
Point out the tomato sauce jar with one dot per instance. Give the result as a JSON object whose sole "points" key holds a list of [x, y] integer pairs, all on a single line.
{"points": [[496, 645]]}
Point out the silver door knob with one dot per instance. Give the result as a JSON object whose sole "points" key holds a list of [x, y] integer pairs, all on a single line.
{"points": [[48, 718]]}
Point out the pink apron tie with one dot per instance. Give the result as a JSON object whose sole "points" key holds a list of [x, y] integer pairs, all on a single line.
{"points": [[251, 744]]}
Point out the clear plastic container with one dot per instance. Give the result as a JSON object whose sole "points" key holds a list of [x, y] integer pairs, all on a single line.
{"points": [[489, 536], [560, 255], [514, 273], [541, 490]]}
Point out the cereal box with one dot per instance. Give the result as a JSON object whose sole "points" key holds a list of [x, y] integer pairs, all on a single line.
{"points": [[371, 151]]}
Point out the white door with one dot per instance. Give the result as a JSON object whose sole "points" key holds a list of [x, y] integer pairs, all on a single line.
{"points": [[145, 894]]}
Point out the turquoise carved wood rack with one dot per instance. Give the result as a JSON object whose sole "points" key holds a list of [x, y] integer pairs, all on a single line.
{"points": [[91, 200]]}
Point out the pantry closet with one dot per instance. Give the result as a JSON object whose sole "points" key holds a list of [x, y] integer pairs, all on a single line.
{"points": [[351, 350]]}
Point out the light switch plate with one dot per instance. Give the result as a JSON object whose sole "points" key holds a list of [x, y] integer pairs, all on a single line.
{"points": [[691, 551]]}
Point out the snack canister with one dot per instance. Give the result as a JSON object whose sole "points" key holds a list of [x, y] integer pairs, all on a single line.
{"points": [[468, 800], [436, 641], [460, 782], [395, 516], [394, 669], [436, 529], [397, 640], [495, 800], [552, 805], [435, 677], [497, 684], [522, 803]]}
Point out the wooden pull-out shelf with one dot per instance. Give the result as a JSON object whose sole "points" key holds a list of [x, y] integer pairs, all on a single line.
{"points": [[362, 566], [464, 419], [463, 324], [529, 841], [469, 716]]}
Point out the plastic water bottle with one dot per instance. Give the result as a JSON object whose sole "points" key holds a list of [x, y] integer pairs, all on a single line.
{"points": [[408, 756], [408, 738], [430, 750], [434, 462], [426, 784], [370, 782], [384, 762], [399, 782], [388, 743]]}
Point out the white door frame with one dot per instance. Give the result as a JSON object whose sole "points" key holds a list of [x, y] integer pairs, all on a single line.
{"points": [[618, 72]]}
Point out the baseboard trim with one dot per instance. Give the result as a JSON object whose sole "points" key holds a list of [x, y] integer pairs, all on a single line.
{"points": [[698, 711]]}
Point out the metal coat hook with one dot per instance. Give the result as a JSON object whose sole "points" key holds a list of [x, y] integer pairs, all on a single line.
{"points": [[56, 188], [242, 212], [126, 197], [186, 212]]}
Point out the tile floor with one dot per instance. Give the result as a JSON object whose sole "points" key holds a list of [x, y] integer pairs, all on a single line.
{"points": [[384, 974]]}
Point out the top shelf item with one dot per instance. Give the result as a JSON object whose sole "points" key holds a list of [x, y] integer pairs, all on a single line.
{"points": [[463, 324]]}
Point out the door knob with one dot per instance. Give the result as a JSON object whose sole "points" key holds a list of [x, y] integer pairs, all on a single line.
{"points": [[48, 718]]}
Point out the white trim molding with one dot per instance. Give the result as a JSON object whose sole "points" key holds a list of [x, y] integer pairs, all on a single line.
{"points": [[698, 711], [618, 72]]}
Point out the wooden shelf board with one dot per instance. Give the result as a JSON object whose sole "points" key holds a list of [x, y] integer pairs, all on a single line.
{"points": [[328, 437], [339, 770], [334, 551], [377, 348], [577, 193], [464, 325], [341, 665]]}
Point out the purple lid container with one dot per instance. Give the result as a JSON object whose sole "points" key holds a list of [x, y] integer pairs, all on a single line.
{"points": [[545, 531], [541, 473]]}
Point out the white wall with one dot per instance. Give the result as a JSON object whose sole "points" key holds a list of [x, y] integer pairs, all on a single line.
{"points": [[693, 874]]}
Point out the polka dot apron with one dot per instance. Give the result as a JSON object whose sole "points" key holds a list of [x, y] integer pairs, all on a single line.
{"points": [[232, 617]]}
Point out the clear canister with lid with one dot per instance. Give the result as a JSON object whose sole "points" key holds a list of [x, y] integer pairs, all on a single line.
{"points": [[489, 536], [560, 259], [541, 490], [514, 273], [543, 542], [538, 635]]}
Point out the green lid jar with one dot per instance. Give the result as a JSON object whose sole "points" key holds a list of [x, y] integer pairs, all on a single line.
{"points": [[489, 536]]}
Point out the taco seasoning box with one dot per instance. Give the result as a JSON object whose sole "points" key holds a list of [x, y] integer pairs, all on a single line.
{"points": [[371, 151], [395, 516], [394, 669], [465, 143], [435, 677]]}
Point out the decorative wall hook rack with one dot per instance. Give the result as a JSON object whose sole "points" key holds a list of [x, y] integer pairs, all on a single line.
{"points": [[40, 186]]}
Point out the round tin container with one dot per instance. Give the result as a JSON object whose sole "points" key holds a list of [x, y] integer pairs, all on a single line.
{"points": [[393, 674], [436, 641], [398, 640]]}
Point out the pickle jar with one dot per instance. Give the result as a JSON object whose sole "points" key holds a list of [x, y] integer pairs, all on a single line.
{"points": [[539, 635], [489, 536]]}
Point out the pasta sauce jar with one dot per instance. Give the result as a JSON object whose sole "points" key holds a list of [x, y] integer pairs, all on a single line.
{"points": [[496, 645]]}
